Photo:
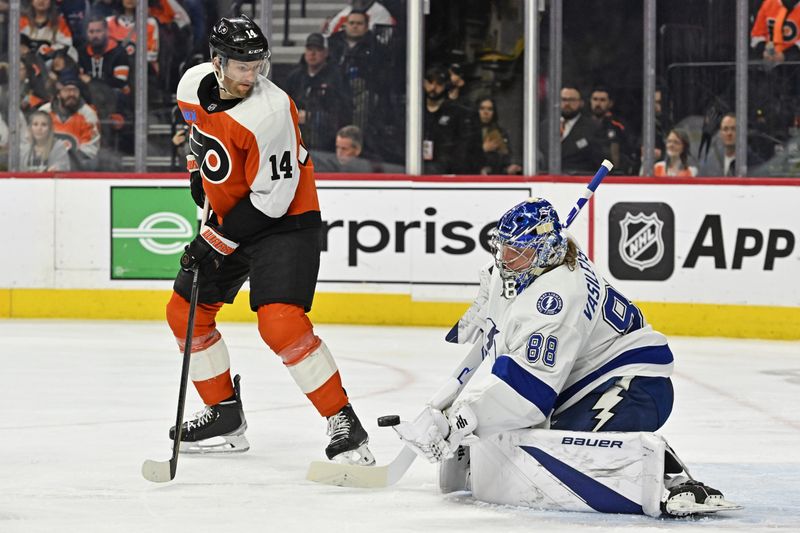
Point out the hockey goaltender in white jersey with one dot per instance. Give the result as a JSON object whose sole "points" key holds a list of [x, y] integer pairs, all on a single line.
{"points": [[573, 382]]}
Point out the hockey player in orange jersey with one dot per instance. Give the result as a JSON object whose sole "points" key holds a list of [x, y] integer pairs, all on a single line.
{"points": [[249, 160]]}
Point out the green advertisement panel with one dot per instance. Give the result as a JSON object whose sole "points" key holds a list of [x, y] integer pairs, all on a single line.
{"points": [[149, 228]]}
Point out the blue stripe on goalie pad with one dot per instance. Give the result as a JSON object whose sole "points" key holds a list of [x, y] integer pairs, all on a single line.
{"points": [[525, 384], [596, 495]]}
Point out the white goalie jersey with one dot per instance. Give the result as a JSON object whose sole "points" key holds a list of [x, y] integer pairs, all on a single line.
{"points": [[546, 348]]}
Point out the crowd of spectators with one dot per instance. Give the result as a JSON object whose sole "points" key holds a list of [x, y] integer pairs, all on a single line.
{"points": [[349, 87], [350, 80], [77, 66]]}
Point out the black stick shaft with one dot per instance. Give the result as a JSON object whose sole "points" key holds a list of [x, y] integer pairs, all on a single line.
{"points": [[187, 353]]}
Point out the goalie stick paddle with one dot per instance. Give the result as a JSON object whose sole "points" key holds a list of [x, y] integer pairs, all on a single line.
{"points": [[345, 475], [163, 471]]}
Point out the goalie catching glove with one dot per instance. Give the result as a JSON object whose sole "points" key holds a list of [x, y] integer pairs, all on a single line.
{"points": [[207, 250], [436, 436]]}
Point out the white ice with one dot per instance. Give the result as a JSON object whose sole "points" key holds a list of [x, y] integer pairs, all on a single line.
{"points": [[84, 403]]}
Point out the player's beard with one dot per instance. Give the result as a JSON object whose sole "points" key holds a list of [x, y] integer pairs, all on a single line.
{"points": [[237, 89]]}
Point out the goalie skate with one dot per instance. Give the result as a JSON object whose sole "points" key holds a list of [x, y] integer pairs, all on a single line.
{"points": [[217, 428], [348, 439], [695, 498]]}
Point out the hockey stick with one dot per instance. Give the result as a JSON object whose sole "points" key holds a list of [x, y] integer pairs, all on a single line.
{"points": [[383, 476], [601, 173], [365, 477], [163, 471]]}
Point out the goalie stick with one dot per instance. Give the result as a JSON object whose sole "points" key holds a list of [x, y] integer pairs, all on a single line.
{"points": [[163, 471], [345, 475], [605, 168]]}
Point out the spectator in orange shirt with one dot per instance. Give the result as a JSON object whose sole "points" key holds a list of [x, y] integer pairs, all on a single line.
{"points": [[47, 29], [122, 28], [775, 35], [75, 121]]}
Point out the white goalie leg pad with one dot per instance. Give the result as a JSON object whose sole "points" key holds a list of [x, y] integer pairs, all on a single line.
{"points": [[311, 372], [209, 363], [606, 472]]}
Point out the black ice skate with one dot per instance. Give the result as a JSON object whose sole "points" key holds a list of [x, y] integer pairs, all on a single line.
{"points": [[348, 439], [217, 428], [693, 498]]}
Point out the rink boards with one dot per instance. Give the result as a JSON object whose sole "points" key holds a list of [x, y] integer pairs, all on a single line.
{"points": [[715, 257]]}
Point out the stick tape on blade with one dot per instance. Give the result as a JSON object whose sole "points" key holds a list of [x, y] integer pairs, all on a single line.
{"points": [[156, 471]]}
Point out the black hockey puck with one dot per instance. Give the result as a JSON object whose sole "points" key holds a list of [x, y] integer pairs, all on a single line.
{"points": [[388, 420]]}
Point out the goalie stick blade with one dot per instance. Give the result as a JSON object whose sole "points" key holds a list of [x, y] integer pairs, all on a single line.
{"points": [[341, 475], [157, 471], [362, 477]]}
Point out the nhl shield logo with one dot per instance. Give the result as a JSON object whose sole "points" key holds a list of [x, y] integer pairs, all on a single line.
{"points": [[641, 241], [641, 244]]}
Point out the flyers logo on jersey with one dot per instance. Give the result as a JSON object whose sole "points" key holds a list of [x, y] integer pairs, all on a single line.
{"points": [[215, 161]]}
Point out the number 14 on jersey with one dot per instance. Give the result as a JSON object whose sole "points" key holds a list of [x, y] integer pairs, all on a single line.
{"points": [[284, 167]]}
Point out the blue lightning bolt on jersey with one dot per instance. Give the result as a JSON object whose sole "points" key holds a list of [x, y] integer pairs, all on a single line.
{"points": [[551, 345]]}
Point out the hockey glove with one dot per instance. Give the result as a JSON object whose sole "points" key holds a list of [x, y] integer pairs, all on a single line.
{"points": [[195, 181], [435, 436], [469, 326], [207, 250], [426, 435], [463, 422]]}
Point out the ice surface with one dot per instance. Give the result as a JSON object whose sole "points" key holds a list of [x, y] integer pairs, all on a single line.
{"points": [[85, 403]]}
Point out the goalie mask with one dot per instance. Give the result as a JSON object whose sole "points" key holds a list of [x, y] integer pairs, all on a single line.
{"points": [[241, 48], [527, 241]]}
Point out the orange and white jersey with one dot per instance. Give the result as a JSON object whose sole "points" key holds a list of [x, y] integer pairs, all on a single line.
{"points": [[773, 13], [59, 36], [123, 30], [81, 130], [252, 148]]}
